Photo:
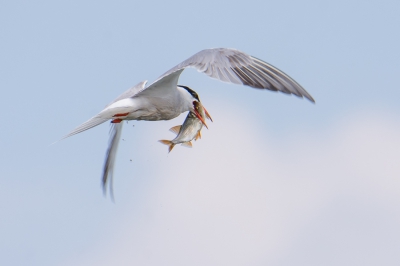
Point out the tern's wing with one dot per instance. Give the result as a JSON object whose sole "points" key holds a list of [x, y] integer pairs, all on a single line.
{"points": [[131, 92], [164, 86], [108, 169], [234, 66]]}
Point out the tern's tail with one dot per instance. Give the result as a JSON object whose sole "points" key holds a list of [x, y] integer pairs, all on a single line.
{"points": [[92, 122], [169, 143]]}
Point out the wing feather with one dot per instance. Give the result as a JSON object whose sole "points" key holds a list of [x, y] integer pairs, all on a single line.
{"points": [[111, 153], [130, 92], [162, 87], [233, 66]]}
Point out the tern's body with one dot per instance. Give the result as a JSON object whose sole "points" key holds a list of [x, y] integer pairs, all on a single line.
{"points": [[150, 107], [164, 99]]}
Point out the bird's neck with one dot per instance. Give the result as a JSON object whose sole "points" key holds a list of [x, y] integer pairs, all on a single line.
{"points": [[186, 100]]}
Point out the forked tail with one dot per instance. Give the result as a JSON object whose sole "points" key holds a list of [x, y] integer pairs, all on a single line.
{"points": [[169, 143], [92, 122]]}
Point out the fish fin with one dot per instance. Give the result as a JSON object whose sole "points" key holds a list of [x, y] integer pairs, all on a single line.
{"points": [[169, 143], [171, 147], [198, 136], [175, 129], [187, 144]]}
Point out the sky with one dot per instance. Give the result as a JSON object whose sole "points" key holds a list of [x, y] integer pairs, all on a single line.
{"points": [[276, 180]]}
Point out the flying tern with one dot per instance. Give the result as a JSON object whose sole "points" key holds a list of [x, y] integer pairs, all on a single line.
{"points": [[164, 99]]}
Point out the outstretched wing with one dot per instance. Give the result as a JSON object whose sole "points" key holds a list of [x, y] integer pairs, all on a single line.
{"points": [[130, 92], [234, 66], [164, 86], [111, 153]]}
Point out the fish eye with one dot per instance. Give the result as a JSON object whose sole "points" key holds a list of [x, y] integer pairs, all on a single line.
{"points": [[196, 105]]}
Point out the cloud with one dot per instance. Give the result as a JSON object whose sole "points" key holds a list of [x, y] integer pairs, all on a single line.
{"points": [[242, 197]]}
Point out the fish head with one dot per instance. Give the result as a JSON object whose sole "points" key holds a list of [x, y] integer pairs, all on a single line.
{"points": [[202, 110]]}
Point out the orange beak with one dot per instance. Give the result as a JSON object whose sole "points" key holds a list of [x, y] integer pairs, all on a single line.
{"points": [[196, 106], [207, 114], [200, 118]]}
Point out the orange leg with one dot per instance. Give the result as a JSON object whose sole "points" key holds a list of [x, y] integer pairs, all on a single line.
{"points": [[116, 121], [119, 115]]}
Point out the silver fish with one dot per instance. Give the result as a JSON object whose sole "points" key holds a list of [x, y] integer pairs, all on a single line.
{"points": [[190, 128]]}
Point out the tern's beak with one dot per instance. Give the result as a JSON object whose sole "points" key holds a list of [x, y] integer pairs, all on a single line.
{"points": [[200, 118], [207, 114], [196, 112]]}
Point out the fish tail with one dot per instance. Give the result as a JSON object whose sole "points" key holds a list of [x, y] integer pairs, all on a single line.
{"points": [[169, 143]]}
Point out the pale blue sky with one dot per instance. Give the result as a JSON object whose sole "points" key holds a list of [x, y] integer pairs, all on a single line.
{"points": [[276, 180]]}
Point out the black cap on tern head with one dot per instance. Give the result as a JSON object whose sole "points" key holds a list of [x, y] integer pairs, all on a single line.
{"points": [[192, 92]]}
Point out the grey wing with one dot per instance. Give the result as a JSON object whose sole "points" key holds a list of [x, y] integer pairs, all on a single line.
{"points": [[115, 136], [165, 86], [108, 169], [236, 67], [130, 92]]}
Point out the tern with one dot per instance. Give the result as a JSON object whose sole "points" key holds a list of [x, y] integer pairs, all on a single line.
{"points": [[164, 99]]}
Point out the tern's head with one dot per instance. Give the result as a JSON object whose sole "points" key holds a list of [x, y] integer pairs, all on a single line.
{"points": [[190, 97], [192, 94], [194, 104]]}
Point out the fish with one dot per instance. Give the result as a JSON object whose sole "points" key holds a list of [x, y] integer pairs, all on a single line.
{"points": [[190, 129]]}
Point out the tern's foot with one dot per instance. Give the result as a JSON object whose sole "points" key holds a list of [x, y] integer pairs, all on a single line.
{"points": [[116, 121]]}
